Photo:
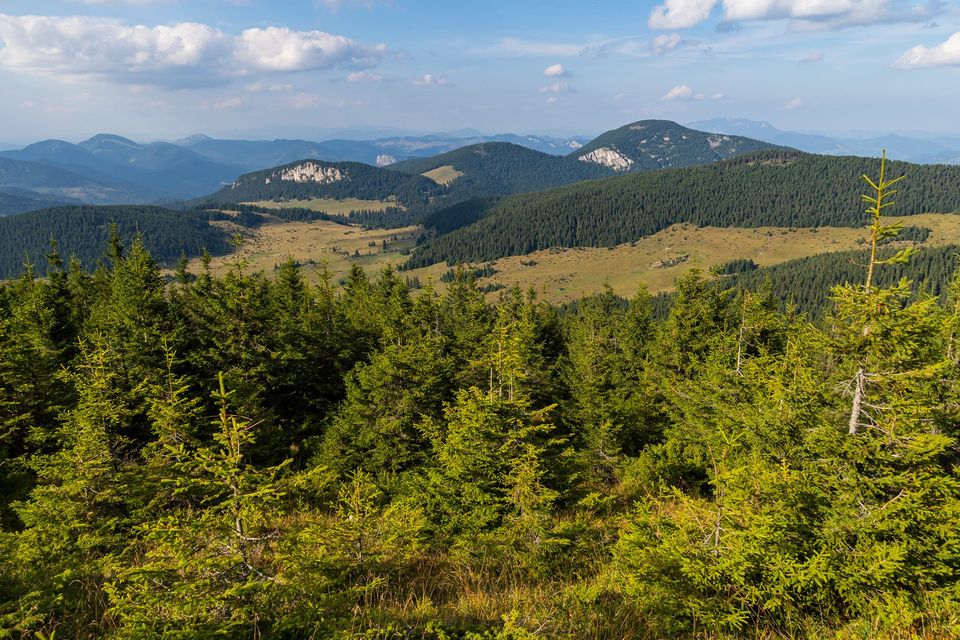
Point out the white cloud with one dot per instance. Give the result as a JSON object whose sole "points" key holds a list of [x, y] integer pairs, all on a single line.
{"points": [[177, 55], [681, 92], [803, 14], [281, 49], [430, 80], [364, 76], [556, 71], [557, 87], [718, 96], [680, 14], [944, 54], [793, 104], [812, 58], [665, 42], [553, 100]]}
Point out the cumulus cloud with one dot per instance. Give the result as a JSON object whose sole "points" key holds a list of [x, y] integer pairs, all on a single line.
{"points": [[941, 55], [804, 14], [683, 93], [665, 42], [556, 71], [430, 80], [557, 87], [678, 93], [177, 55], [680, 14], [281, 49]]}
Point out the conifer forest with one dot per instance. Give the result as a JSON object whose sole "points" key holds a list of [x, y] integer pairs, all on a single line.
{"points": [[244, 455]]}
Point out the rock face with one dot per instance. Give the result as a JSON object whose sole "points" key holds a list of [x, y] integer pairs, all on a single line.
{"points": [[608, 156], [384, 160], [312, 172]]}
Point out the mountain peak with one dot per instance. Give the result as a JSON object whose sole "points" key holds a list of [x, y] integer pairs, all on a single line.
{"points": [[191, 140], [109, 140], [657, 144]]}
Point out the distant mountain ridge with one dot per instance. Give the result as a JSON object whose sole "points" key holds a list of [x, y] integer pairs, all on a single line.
{"points": [[130, 172], [921, 150]]}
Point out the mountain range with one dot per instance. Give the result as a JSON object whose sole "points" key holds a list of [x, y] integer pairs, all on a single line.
{"points": [[915, 148], [110, 169]]}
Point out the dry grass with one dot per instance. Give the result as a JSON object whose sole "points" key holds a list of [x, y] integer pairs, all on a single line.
{"points": [[566, 274], [329, 205], [562, 275], [314, 243], [443, 175]]}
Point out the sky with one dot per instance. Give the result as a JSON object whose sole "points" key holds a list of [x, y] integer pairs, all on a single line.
{"points": [[162, 69]]}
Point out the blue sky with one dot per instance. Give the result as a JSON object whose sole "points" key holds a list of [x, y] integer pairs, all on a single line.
{"points": [[256, 68]]}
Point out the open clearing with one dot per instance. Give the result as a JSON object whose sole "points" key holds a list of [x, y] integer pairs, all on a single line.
{"points": [[312, 244], [443, 175], [329, 205], [561, 275]]}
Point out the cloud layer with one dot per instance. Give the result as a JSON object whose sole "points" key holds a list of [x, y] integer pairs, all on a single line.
{"points": [[809, 14], [176, 55]]}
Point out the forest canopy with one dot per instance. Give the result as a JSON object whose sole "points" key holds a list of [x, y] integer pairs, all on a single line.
{"points": [[244, 456]]}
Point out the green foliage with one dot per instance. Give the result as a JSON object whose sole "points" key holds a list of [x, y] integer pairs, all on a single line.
{"points": [[390, 464], [82, 232]]}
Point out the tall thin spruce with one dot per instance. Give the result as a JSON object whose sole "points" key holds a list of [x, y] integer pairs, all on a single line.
{"points": [[878, 200]]}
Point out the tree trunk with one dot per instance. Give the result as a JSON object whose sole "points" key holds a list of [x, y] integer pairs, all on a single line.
{"points": [[857, 401]]}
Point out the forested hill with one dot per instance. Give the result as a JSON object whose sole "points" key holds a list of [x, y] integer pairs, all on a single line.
{"points": [[775, 188], [806, 283], [659, 144], [83, 231], [308, 179], [500, 169], [14, 200]]}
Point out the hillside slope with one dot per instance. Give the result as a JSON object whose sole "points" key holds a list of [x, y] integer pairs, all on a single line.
{"points": [[308, 179], [659, 144], [82, 231], [772, 188], [45, 182], [500, 169]]}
